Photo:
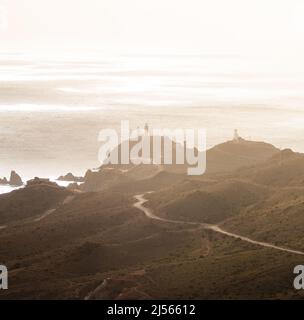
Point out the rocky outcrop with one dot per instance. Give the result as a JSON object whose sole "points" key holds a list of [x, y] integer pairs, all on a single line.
{"points": [[15, 179], [40, 181], [73, 186], [70, 177], [3, 181], [104, 179]]}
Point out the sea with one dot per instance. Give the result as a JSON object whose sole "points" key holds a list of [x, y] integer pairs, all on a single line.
{"points": [[52, 107]]}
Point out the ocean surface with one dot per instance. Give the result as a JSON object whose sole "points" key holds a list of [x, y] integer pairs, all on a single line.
{"points": [[52, 109]]}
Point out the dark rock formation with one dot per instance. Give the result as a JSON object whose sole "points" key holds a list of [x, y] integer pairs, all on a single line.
{"points": [[3, 181], [73, 186], [71, 177], [103, 179], [40, 181], [15, 179]]}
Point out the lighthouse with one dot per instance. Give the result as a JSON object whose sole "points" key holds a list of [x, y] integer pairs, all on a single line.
{"points": [[236, 136]]}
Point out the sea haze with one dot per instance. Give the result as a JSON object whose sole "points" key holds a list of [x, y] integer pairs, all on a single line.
{"points": [[51, 110]]}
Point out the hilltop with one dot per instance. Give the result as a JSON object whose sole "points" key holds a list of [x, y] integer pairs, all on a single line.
{"points": [[223, 158], [234, 154]]}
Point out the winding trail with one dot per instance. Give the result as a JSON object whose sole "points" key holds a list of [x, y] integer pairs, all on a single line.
{"points": [[67, 200], [92, 295], [43, 216], [148, 212]]}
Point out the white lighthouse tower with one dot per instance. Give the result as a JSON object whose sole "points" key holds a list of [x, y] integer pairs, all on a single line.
{"points": [[236, 136]]}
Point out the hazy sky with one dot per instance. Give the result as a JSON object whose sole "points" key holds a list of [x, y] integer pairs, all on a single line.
{"points": [[256, 26]]}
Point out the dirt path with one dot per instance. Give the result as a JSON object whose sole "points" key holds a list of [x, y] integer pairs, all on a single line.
{"points": [[67, 200], [46, 213], [97, 291], [148, 212]]}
